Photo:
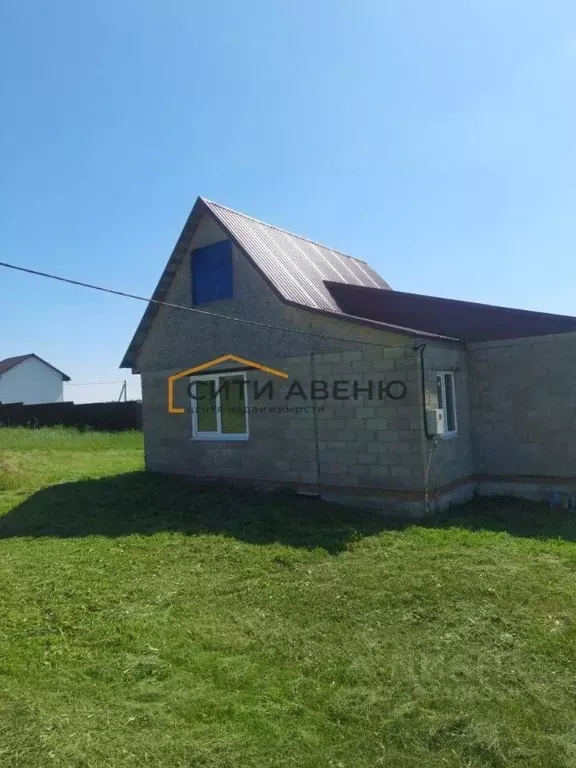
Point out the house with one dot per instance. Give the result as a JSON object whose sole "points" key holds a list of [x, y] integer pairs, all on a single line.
{"points": [[291, 364], [28, 379]]}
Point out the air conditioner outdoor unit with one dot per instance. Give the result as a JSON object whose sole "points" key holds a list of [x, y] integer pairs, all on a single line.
{"points": [[435, 421]]}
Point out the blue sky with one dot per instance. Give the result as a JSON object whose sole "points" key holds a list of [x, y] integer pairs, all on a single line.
{"points": [[437, 141]]}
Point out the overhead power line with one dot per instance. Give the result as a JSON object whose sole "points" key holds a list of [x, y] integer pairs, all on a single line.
{"points": [[217, 315], [90, 383]]}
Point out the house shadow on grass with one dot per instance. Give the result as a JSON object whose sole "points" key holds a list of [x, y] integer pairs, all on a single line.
{"points": [[516, 517], [145, 503]]}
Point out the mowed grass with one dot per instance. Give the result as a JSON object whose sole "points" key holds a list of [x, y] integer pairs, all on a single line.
{"points": [[145, 623]]}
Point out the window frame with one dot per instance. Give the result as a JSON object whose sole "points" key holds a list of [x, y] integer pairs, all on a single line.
{"points": [[218, 436], [441, 384]]}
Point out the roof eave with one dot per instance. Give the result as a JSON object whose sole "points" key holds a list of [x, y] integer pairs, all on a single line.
{"points": [[65, 377], [379, 325], [173, 263], [23, 358], [200, 208]]}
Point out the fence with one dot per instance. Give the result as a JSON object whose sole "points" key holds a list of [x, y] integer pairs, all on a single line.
{"points": [[105, 417]]}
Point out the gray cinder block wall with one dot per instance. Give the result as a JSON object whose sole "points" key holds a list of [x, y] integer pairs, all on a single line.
{"points": [[361, 444], [515, 400], [523, 413]]}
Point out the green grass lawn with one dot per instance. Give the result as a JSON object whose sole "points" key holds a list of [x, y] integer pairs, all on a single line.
{"points": [[145, 623]]}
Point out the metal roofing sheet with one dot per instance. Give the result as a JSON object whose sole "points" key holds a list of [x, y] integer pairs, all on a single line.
{"points": [[463, 320], [297, 267]]}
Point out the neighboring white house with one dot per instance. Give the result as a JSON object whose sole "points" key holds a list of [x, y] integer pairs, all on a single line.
{"points": [[28, 379]]}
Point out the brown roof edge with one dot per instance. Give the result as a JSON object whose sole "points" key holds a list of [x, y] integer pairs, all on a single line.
{"points": [[198, 209], [468, 321], [379, 325], [11, 362]]}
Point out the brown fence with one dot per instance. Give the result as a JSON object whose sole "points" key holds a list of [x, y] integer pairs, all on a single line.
{"points": [[105, 417]]}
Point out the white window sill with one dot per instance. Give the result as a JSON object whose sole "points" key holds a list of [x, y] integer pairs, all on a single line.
{"points": [[207, 438]]}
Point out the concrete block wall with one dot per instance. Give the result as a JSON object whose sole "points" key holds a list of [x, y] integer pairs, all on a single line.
{"points": [[523, 406], [367, 442], [278, 447], [362, 443], [515, 400], [450, 459], [359, 442]]}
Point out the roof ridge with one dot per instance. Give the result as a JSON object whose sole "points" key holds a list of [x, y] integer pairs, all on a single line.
{"points": [[281, 229], [16, 360], [17, 357]]}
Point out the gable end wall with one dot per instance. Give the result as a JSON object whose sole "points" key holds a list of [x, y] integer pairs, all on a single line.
{"points": [[364, 443], [31, 382]]}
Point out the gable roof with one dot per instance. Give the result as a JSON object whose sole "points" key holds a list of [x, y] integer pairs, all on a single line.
{"points": [[12, 362], [465, 321], [295, 268]]}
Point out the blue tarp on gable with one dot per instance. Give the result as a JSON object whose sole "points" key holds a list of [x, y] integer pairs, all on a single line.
{"points": [[212, 272]]}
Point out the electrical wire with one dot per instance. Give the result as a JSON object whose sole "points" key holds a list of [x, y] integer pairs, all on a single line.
{"points": [[91, 383], [125, 295]]}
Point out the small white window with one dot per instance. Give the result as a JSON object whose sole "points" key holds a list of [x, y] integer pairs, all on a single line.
{"points": [[219, 409], [447, 400]]}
